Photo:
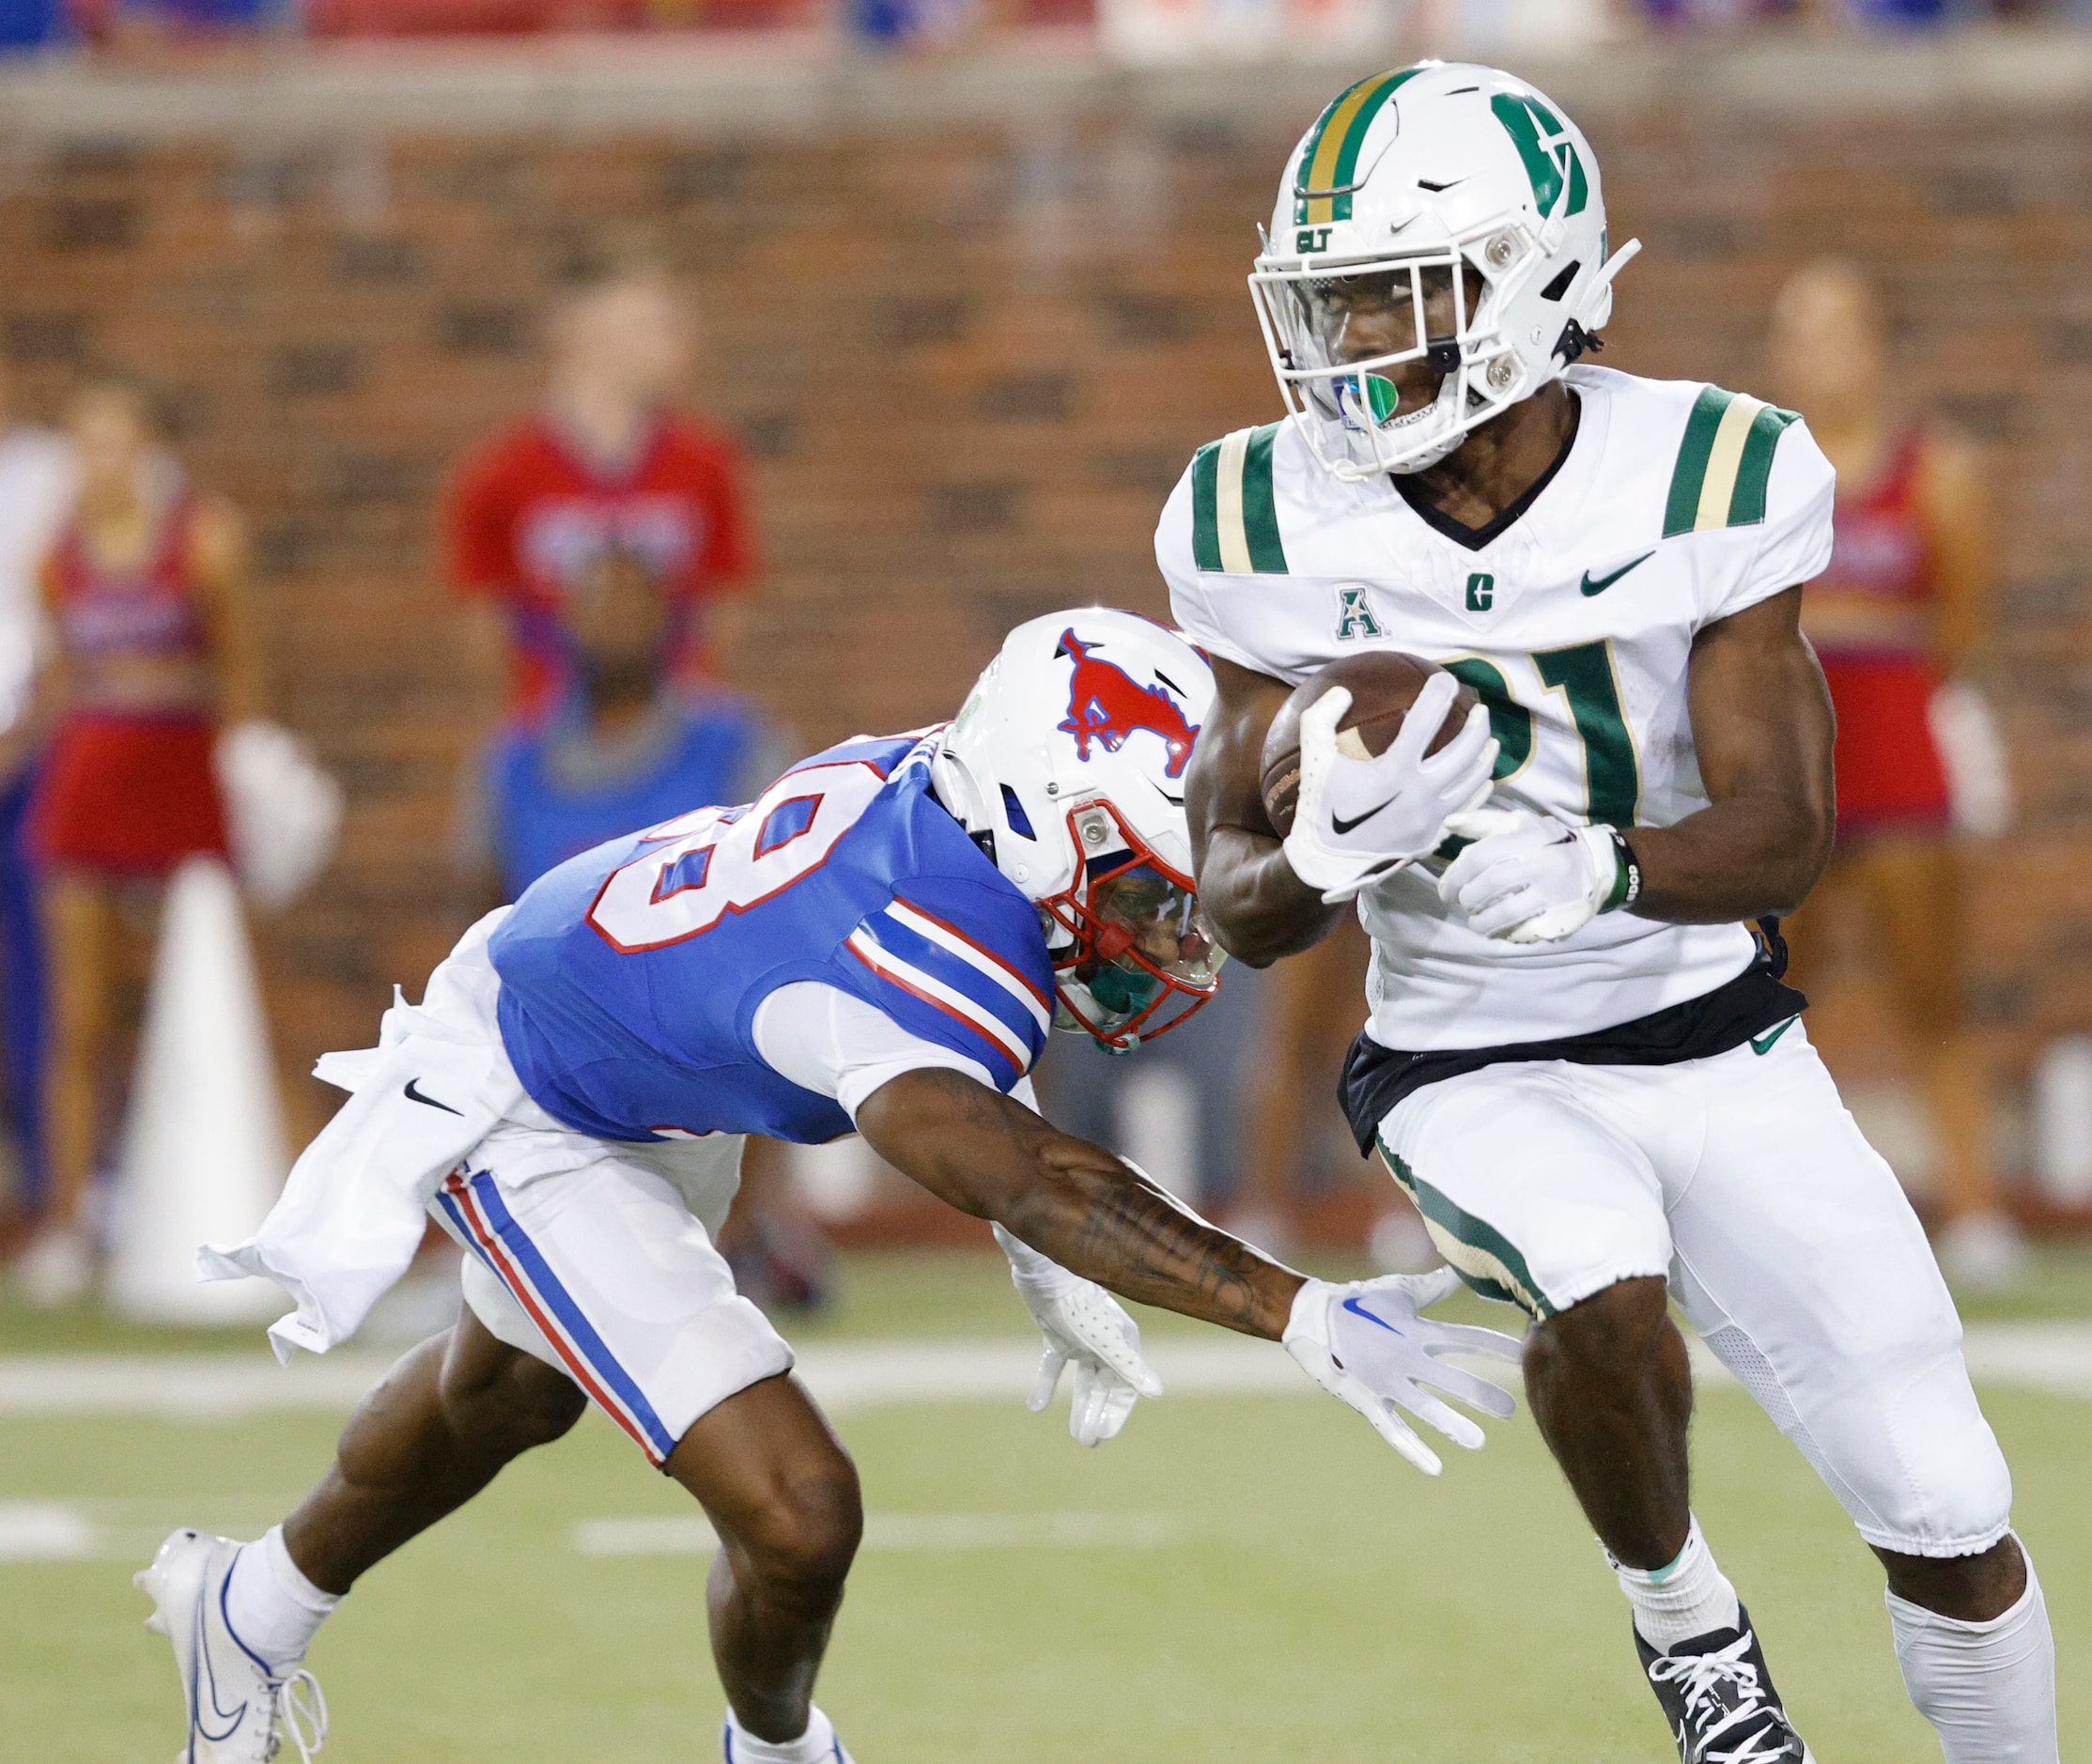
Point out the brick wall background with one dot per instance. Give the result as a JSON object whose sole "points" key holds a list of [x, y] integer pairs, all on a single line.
{"points": [[968, 361]]}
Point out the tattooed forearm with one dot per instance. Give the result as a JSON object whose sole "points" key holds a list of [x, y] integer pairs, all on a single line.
{"points": [[1072, 1202], [1135, 1239], [1097, 1218]]}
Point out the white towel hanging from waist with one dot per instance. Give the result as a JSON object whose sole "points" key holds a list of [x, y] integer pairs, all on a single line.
{"points": [[352, 1215]]}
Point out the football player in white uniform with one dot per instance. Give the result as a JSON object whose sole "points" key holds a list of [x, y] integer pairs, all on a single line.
{"points": [[1581, 1061]]}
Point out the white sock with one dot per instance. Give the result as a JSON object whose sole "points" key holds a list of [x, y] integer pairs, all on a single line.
{"points": [[816, 1746], [1691, 1597], [1989, 1688], [272, 1608]]}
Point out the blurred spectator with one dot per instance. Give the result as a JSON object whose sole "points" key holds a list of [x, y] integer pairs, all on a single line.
{"points": [[27, 24], [1314, 1004], [35, 496], [1902, 608], [898, 24], [148, 31], [605, 463], [625, 747], [1885, 14], [517, 18], [146, 588]]}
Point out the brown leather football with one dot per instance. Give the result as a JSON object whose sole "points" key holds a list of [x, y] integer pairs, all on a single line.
{"points": [[1383, 684]]}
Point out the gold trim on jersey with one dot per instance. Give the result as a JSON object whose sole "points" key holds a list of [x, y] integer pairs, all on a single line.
{"points": [[1235, 513], [1725, 462]]}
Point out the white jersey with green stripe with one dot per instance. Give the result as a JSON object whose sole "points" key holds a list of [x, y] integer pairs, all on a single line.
{"points": [[1678, 504]]}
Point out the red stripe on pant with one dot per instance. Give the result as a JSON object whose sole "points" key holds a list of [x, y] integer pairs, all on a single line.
{"points": [[512, 1279]]}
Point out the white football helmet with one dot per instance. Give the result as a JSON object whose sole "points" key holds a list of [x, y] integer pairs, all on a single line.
{"points": [[1067, 767], [1406, 180]]}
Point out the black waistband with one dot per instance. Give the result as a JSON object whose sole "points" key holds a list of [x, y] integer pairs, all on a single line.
{"points": [[1375, 1078]]}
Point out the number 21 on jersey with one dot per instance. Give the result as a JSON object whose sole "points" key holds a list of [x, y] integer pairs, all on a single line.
{"points": [[710, 862], [1584, 675]]}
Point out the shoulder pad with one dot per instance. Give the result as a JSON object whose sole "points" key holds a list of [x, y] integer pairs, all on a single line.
{"points": [[1234, 515], [1725, 462]]}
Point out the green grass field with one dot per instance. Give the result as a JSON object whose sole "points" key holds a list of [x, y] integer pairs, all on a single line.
{"points": [[1252, 1578]]}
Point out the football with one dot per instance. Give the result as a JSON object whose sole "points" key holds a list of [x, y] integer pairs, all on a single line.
{"points": [[1383, 684]]}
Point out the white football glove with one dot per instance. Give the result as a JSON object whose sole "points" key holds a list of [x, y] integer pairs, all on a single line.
{"points": [[1357, 818], [1529, 878], [1085, 1327], [1365, 1344]]}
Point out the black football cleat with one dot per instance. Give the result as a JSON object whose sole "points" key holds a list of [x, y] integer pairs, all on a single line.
{"points": [[1719, 1698]]}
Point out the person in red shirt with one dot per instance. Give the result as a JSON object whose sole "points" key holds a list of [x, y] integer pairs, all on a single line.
{"points": [[605, 464], [1894, 620]]}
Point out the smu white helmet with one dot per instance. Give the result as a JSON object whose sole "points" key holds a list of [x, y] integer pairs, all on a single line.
{"points": [[1405, 181], [1067, 765]]}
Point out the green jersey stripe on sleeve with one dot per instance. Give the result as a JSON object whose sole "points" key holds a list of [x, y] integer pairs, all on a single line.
{"points": [[1260, 505], [1206, 532], [1725, 462], [1689, 476], [1725, 459], [1235, 513], [1234, 543], [1754, 471]]}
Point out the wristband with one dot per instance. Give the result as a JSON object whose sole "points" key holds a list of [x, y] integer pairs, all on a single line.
{"points": [[1627, 883]]}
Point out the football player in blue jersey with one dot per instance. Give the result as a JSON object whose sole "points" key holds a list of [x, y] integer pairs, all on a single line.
{"points": [[880, 942]]}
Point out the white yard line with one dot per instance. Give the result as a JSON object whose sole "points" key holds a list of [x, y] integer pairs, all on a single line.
{"points": [[181, 1386], [45, 1531], [130, 1531], [2054, 1357]]}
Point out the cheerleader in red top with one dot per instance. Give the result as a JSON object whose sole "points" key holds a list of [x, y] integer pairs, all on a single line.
{"points": [[1898, 614], [146, 596]]}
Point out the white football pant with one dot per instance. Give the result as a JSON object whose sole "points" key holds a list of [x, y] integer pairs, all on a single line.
{"points": [[1788, 1242]]}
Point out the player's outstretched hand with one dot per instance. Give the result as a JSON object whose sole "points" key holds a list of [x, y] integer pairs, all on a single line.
{"points": [[1529, 878], [1358, 820], [1365, 1344], [1085, 1327]]}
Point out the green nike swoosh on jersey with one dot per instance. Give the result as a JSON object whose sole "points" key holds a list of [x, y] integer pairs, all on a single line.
{"points": [[1762, 1045], [1599, 585]]}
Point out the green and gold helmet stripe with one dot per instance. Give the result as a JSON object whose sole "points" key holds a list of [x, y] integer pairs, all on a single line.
{"points": [[1234, 515], [1329, 161], [1723, 463]]}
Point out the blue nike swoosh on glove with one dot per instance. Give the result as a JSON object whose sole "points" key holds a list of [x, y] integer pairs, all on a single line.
{"points": [[1357, 1309]]}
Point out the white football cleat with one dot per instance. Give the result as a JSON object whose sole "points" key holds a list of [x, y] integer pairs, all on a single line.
{"points": [[240, 1711]]}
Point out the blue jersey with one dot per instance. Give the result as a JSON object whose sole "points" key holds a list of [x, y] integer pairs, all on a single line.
{"points": [[631, 974]]}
